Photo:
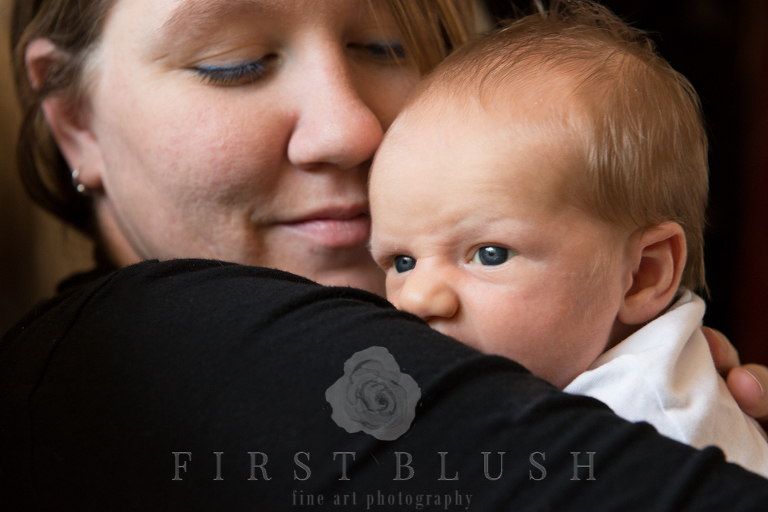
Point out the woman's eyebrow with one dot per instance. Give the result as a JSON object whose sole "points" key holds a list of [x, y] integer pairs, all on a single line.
{"points": [[195, 16]]}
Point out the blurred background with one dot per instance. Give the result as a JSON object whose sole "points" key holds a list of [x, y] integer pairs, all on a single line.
{"points": [[721, 46], [36, 250]]}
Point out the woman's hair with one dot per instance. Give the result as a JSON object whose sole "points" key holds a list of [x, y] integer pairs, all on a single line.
{"points": [[74, 27], [430, 28]]}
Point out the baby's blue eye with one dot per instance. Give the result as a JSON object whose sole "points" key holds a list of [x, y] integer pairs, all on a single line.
{"points": [[404, 263], [492, 255]]}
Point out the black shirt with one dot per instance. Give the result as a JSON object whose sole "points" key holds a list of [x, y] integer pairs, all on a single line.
{"points": [[200, 385]]}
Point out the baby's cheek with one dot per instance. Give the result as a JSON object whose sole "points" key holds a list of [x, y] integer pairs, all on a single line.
{"points": [[393, 290]]}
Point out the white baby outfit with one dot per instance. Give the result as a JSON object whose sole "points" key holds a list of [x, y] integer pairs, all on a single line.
{"points": [[664, 374]]}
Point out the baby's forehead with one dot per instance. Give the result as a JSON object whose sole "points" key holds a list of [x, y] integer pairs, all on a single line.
{"points": [[529, 107], [474, 140]]}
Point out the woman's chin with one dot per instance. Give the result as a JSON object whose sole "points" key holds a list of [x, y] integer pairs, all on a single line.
{"points": [[368, 278]]}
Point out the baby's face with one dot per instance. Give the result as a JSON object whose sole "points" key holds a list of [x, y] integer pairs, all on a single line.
{"points": [[473, 227]]}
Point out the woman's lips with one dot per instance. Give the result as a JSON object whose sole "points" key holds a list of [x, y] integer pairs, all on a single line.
{"points": [[334, 229]]}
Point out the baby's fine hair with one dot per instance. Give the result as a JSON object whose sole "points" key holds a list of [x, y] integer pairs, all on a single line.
{"points": [[643, 139]]}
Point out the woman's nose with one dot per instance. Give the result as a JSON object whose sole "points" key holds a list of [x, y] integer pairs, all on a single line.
{"points": [[428, 295], [334, 125]]}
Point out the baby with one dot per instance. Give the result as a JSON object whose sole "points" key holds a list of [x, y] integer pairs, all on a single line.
{"points": [[542, 197]]}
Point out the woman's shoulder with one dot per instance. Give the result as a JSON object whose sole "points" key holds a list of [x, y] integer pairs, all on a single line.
{"points": [[197, 357], [155, 292]]}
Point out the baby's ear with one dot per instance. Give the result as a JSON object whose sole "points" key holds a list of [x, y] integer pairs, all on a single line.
{"points": [[656, 259]]}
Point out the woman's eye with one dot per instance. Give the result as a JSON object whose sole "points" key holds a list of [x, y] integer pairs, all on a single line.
{"points": [[492, 255], [235, 74], [382, 50], [404, 263]]}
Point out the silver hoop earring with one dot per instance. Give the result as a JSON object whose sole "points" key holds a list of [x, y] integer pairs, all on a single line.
{"points": [[82, 189]]}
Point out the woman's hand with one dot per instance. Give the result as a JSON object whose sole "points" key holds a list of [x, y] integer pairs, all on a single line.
{"points": [[746, 383]]}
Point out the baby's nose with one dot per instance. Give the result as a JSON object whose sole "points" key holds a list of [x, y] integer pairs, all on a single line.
{"points": [[428, 295]]}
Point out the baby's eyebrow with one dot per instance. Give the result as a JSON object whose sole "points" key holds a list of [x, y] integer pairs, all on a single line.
{"points": [[380, 249], [383, 250]]}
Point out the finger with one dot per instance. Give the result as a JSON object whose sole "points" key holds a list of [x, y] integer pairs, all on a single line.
{"points": [[724, 354], [747, 384]]}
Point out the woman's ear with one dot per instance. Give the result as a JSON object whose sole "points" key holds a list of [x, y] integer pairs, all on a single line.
{"points": [[656, 259], [66, 117]]}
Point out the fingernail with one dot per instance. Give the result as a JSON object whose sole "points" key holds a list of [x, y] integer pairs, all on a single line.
{"points": [[720, 337], [762, 391]]}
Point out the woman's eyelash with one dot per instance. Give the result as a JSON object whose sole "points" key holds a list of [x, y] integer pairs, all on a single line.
{"points": [[249, 72], [383, 49], [235, 74]]}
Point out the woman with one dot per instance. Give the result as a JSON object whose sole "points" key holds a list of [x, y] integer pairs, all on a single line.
{"points": [[259, 78], [236, 130]]}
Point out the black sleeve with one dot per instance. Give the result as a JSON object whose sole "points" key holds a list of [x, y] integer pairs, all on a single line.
{"points": [[197, 385]]}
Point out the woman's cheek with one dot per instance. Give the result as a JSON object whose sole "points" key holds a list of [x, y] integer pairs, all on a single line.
{"points": [[220, 154]]}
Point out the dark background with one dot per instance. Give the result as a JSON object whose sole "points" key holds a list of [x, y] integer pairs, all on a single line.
{"points": [[721, 47]]}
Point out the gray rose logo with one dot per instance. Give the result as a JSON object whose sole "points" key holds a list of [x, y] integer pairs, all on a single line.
{"points": [[374, 396]]}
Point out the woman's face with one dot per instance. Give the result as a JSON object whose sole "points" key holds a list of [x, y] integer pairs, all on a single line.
{"points": [[243, 130]]}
